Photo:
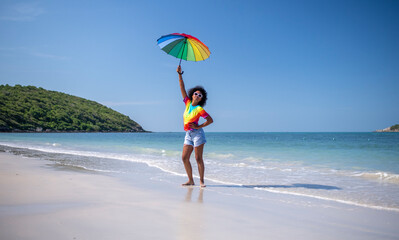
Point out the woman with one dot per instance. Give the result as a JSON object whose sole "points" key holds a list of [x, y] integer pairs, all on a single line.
{"points": [[195, 136]]}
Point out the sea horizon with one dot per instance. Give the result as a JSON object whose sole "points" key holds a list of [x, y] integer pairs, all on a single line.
{"points": [[149, 131]]}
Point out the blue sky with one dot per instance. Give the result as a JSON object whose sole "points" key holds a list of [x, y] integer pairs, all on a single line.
{"points": [[274, 66]]}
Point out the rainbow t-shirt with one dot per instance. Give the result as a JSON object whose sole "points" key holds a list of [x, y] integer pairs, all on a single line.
{"points": [[192, 114]]}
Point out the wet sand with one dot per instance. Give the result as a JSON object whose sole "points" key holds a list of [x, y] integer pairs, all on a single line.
{"points": [[39, 201]]}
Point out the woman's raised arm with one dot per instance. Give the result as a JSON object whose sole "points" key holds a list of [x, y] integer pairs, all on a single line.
{"points": [[182, 87]]}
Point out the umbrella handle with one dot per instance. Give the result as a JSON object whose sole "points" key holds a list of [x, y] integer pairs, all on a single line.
{"points": [[180, 66], [185, 42]]}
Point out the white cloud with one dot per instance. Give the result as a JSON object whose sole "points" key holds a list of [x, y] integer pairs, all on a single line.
{"points": [[26, 51], [21, 12], [46, 55]]}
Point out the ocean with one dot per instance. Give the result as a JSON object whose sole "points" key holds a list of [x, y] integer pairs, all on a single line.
{"points": [[359, 169]]}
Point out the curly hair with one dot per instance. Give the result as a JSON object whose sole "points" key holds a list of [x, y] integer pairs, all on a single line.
{"points": [[204, 95]]}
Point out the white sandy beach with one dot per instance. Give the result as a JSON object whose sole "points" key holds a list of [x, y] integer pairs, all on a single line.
{"points": [[39, 201]]}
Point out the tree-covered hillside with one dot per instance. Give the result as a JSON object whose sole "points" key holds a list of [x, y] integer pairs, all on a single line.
{"points": [[36, 109], [395, 127]]}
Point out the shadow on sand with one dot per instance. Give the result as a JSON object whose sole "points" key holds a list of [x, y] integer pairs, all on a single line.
{"points": [[295, 185]]}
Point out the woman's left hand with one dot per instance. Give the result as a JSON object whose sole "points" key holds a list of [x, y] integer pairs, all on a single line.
{"points": [[194, 126]]}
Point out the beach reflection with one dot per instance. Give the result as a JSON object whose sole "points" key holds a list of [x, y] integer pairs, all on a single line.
{"points": [[189, 195], [191, 215]]}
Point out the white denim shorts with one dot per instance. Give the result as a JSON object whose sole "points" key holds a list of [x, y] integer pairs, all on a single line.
{"points": [[195, 137]]}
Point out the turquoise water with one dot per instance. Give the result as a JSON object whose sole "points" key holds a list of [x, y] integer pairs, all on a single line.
{"points": [[352, 168]]}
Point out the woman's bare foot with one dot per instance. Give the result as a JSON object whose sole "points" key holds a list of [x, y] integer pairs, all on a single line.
{"points": [[189, 183], [202, 184]]}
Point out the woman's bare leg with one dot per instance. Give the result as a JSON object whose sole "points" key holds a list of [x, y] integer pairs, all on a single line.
{"points": [[187, 150], [200, 162]]}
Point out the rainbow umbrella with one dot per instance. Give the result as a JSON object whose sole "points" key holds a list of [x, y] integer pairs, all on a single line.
{"points": [[184, 46]]}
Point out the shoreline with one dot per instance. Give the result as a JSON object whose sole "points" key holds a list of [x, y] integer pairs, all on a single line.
{"points": [[51, 203], [218, 185]]}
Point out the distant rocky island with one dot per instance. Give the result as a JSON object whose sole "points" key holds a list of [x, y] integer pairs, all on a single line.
{"points": [[394, 128], [32, 109]]}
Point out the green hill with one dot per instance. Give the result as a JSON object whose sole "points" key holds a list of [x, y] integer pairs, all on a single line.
{"points": [[394, 128], [36, 109]]}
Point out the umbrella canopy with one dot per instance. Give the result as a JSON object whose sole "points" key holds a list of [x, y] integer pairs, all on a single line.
{"points": [[184, 46]]}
